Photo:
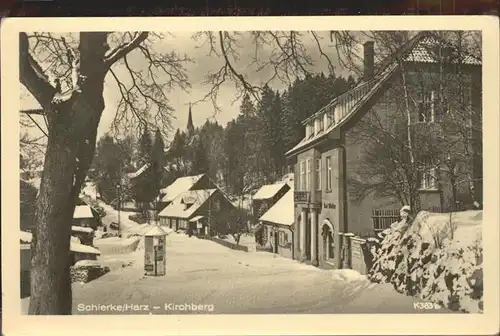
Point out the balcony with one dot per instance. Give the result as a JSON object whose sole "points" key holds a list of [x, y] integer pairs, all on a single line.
{"points": [[301, 196]]}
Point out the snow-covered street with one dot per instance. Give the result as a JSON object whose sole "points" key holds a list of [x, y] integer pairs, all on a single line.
{"points": [[224, 281], [202, 272]]}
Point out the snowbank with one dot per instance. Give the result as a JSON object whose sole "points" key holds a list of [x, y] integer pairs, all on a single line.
{"points": [[116, 245], [348, 275], [438, 258]]}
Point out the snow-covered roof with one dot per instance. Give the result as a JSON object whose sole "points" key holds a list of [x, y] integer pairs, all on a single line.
{"points": [[196, 218], [80, 248], [81, 229], [155, 232], [180, 205], [179, 186], [268, 191], [82, 211], [282, 212], [26, 238], [139, 171], [427, 52]]}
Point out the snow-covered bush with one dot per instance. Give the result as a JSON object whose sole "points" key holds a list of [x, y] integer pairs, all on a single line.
{"points": [[434, 259]]}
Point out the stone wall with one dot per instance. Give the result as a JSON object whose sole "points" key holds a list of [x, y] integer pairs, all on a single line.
{"points": [[356, 252], [87, 273]]}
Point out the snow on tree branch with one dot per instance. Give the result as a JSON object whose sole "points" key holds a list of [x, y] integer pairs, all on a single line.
{"points": [[32, 75], [122, 50]]}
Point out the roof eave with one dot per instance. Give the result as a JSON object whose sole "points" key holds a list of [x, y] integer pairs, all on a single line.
{"points": [[332, 134]]}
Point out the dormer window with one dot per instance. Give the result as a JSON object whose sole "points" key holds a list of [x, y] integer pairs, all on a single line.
{"points": [[309, 130], [318, 125], [326, 120]]}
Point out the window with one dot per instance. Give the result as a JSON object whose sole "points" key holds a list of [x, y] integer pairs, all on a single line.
{"points": [[426, 107], [302, 180], [428, 175], [308, 175], [216, 205], [282, 238], [318, 174], [328, 173]]}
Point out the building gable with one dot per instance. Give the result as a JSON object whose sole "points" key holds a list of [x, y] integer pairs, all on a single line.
{"points": [[343, 111]]}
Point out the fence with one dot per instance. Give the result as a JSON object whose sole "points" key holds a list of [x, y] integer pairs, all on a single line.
{"points": [[226, 243], [383, 218]]}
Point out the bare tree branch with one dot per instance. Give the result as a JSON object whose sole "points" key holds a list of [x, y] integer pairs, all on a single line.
{"points": [[331, 68], [31, 74]]}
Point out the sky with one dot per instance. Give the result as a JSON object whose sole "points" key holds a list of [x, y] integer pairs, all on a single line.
{"points": [[183, 43]]}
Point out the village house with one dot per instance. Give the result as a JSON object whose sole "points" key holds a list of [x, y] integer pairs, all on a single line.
{"points": [[277, 226], [77, 252], [181, 185], [195, 209], [267, 196], [137, 179], [85, 235], [325, 161], [84, 217]]}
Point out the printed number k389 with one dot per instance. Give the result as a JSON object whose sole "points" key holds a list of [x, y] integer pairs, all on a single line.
{"points": [[425, 305]]}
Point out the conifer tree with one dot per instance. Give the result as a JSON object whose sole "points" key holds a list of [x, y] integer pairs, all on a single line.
{"points": [[200, 164]]}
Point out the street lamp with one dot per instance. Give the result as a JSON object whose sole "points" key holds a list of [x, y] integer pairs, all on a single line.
{"points": [[118, 187]]}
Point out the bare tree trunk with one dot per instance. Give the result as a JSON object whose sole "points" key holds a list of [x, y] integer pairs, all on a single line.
{"points": [[50, 282], [414, 196], [73, 119]]}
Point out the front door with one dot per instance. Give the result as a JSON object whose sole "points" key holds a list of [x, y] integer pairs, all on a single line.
{"points": [[276, 241], [308, 238]]}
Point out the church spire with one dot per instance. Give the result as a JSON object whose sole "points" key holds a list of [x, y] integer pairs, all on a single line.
{"points": [[190, 127]]}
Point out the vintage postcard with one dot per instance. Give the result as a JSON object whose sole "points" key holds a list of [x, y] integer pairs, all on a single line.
{"points": [[312, 175]]}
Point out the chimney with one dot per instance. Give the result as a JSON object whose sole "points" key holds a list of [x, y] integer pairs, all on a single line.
{"points": [[368, 61]]}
